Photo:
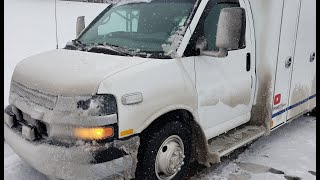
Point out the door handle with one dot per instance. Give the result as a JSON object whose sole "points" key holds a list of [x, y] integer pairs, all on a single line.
{"points": [[248, 62], [288, 62], [312, 56]]}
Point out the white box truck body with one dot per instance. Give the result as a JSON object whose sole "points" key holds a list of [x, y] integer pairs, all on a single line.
{"points": [[151, 85]]}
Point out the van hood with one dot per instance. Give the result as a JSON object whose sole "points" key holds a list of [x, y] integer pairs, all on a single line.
{"points": [[68, 73]]}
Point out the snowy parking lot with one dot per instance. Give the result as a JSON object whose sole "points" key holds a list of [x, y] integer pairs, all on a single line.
{"points": [[289, 152]]}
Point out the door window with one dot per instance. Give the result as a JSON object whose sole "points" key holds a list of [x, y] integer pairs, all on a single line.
{"points": [[207, 27]]}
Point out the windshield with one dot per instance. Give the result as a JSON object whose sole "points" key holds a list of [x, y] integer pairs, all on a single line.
{"points": [[140, 27]]}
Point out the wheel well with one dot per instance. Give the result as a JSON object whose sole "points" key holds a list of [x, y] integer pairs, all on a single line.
{"points": [[200, 151], [181, 115]]}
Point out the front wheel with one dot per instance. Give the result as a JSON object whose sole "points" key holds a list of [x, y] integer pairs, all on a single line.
{"points": [[165, 152]]}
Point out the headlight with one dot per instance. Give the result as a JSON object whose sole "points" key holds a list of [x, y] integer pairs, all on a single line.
{"points": [[98, 133], [98, 105]]}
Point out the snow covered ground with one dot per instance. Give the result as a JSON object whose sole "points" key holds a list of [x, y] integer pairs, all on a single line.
{"points": [[288, 152]]}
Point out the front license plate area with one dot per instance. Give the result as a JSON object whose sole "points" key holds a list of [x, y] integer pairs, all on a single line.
{"points": [[29, 132]]}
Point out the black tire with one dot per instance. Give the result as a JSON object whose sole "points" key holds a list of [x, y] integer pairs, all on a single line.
{"points": [[150, 143], [313, 112]]}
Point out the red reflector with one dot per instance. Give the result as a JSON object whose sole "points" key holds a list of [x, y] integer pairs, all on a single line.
{"points": [[277, 99]]}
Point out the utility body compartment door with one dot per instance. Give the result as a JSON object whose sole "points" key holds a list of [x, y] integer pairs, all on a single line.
{"points": [[295, 86], [288, 34], [303, 82]]}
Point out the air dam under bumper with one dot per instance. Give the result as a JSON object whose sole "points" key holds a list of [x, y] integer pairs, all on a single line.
{"points": [[72, 162]]}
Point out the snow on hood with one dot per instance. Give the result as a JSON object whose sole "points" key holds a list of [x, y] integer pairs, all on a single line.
{"points": [[69, 73]]}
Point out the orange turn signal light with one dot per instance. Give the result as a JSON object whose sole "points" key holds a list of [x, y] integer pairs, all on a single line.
{"points": [[93, 133]]}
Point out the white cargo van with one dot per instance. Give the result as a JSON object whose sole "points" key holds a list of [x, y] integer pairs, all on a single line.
{"points": [[151, 85]]}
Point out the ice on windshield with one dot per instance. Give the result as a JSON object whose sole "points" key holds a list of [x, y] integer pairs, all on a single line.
{"points": [[151, 26]]}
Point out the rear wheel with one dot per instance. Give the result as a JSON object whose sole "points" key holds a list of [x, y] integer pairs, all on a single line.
{"points": [[313, 112], [165, 152]]}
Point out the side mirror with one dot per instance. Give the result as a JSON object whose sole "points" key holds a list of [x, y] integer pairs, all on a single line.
{"points": [[230, 31], [80, 25]]}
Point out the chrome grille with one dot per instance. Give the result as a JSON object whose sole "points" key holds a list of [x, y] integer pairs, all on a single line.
{"points": [[34, 96]]}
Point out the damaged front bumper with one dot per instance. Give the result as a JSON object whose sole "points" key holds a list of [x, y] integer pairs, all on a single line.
{"points": [[80, 160]]}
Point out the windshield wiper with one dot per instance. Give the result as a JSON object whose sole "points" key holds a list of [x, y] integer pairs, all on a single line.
{"points": [[153, 54], [77, 42], [108, 49], [75, 45]]}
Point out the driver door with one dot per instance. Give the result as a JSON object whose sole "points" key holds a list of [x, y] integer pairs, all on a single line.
{"points": [[224, 85]]}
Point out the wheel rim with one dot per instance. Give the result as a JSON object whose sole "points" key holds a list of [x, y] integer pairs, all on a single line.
{"points": [[169, 158]]}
